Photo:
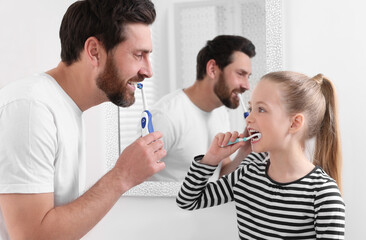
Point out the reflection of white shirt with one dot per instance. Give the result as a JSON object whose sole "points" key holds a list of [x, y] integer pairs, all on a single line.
{"points": [[41, 140], [187, 131]]}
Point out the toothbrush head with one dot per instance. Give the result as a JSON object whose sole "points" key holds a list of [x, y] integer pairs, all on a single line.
{"points": [[139, 85], [257, 136]]}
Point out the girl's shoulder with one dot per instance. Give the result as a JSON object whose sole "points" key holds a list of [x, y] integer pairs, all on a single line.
{"points": [[320, 179], [258, 160]]}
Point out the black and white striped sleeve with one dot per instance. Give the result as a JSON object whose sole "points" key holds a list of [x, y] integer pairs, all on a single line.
{"points": [[196, 192], [330, 212]]}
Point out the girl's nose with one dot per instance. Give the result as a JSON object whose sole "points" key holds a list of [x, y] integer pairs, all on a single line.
{"points": [[249, 118]]}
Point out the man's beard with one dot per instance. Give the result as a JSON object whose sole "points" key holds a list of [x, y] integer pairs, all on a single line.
{"points": [[113, 86], [224, 94]]}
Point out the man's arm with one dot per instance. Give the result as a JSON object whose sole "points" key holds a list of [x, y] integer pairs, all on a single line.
{"points": [[33, 216]]}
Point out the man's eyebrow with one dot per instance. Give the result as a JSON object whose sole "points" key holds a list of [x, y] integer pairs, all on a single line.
{"points": [[143, 50], [243, 71]]}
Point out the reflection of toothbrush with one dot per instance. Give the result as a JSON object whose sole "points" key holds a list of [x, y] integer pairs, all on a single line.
{"points": [[258, 135], [246, 113], [146, 122]]}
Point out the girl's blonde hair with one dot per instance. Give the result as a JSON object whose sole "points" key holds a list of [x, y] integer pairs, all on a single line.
{"points": [[314, 97]]}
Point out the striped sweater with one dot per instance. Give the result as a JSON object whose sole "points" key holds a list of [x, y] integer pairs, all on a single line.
{"points": [[309, 208]]}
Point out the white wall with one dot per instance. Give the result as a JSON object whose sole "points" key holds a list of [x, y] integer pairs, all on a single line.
{"points": [[329, 36], [325, 36]]}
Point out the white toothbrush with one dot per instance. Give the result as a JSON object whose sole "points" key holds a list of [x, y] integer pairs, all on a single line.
{"points": [[244, 139], [146, 117], [246, 113]]}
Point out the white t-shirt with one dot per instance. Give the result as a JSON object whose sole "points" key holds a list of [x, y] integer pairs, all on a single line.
{"points": [[41, 141], [187, 131]]}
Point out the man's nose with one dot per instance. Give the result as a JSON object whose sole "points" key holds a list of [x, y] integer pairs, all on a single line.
{"points": [[146, 69], [244, 84]]}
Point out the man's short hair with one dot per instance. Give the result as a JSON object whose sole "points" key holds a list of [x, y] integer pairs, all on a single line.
{"points": [[103, 19], [221, 49]]}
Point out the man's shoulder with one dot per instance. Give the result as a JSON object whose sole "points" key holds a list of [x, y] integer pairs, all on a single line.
{"points": [[170, 101], [30, 88]]}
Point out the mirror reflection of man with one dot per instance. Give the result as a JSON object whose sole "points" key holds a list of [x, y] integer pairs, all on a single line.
{"points": [[190, 118]]}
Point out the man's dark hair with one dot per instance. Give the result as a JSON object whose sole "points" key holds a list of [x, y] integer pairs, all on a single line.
{"points": [[103, 19], [221, 49]]}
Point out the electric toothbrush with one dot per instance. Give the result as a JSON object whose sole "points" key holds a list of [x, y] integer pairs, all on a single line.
{"points": [[246, 113], [146, 117]]}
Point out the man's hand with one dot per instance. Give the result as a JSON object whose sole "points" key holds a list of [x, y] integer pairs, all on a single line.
{"points": [[140, 160]]}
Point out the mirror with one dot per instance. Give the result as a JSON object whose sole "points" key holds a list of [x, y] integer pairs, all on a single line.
{"points": [[177, 38]]}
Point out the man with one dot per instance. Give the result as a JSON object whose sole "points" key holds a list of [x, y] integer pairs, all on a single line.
{"points": [[105, 48], [190, 118]]}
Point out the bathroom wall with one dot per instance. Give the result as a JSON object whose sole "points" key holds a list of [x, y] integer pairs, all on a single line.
{"points": [[329, 37], [325, 36]]}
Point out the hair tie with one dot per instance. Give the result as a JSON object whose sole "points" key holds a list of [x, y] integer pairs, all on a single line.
{"points": [[318, 78]]}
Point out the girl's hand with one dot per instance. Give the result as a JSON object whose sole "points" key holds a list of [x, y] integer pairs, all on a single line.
{"points": [[219, 150], [246, 149]]}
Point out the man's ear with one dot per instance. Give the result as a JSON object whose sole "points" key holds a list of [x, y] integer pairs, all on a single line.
{"points": [[297, 122], [211, 68], [93, 50]]}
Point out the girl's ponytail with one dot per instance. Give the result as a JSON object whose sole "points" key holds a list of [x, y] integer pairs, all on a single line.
{"points": [[327, 153]]}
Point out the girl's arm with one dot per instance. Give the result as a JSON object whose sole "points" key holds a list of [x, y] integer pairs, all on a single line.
{"points": [[330, 212], [196, 192]]}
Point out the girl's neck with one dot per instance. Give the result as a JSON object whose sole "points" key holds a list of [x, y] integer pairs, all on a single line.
{"points": [[288, 166]]}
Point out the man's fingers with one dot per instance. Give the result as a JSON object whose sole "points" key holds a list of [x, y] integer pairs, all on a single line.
{"points": [[151, 137], [159, 166], [156, 145]]}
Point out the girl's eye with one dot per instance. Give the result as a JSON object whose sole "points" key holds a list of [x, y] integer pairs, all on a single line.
{"points": [[250, 109], [261, 110]]}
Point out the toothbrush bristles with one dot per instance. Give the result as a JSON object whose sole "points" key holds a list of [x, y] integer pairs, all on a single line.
{"points": [[254, 135]]}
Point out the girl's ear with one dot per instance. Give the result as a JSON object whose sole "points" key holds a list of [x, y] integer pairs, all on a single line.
{"points": [[297, 123]]}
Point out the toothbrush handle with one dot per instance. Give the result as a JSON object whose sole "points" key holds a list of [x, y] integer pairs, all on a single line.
{"points": [[231, 143], [246, 114], [236, 141], [146, 123]]}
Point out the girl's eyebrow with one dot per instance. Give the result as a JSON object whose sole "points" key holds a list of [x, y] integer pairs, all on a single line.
{"points": [[259, 102]]}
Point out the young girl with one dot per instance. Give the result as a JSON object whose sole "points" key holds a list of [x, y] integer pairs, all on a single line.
{"points": [[279, 193]]}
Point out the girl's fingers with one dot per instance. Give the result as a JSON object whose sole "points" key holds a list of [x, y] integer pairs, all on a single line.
{"points": [[234, 136], [226, 139]]}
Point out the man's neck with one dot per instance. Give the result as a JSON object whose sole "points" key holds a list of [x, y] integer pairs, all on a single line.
{"points": [[78, 84], [202, 94]]}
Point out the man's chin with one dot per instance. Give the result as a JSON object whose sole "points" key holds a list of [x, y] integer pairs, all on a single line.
{"points": [[122, 102], [230, 104]]}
